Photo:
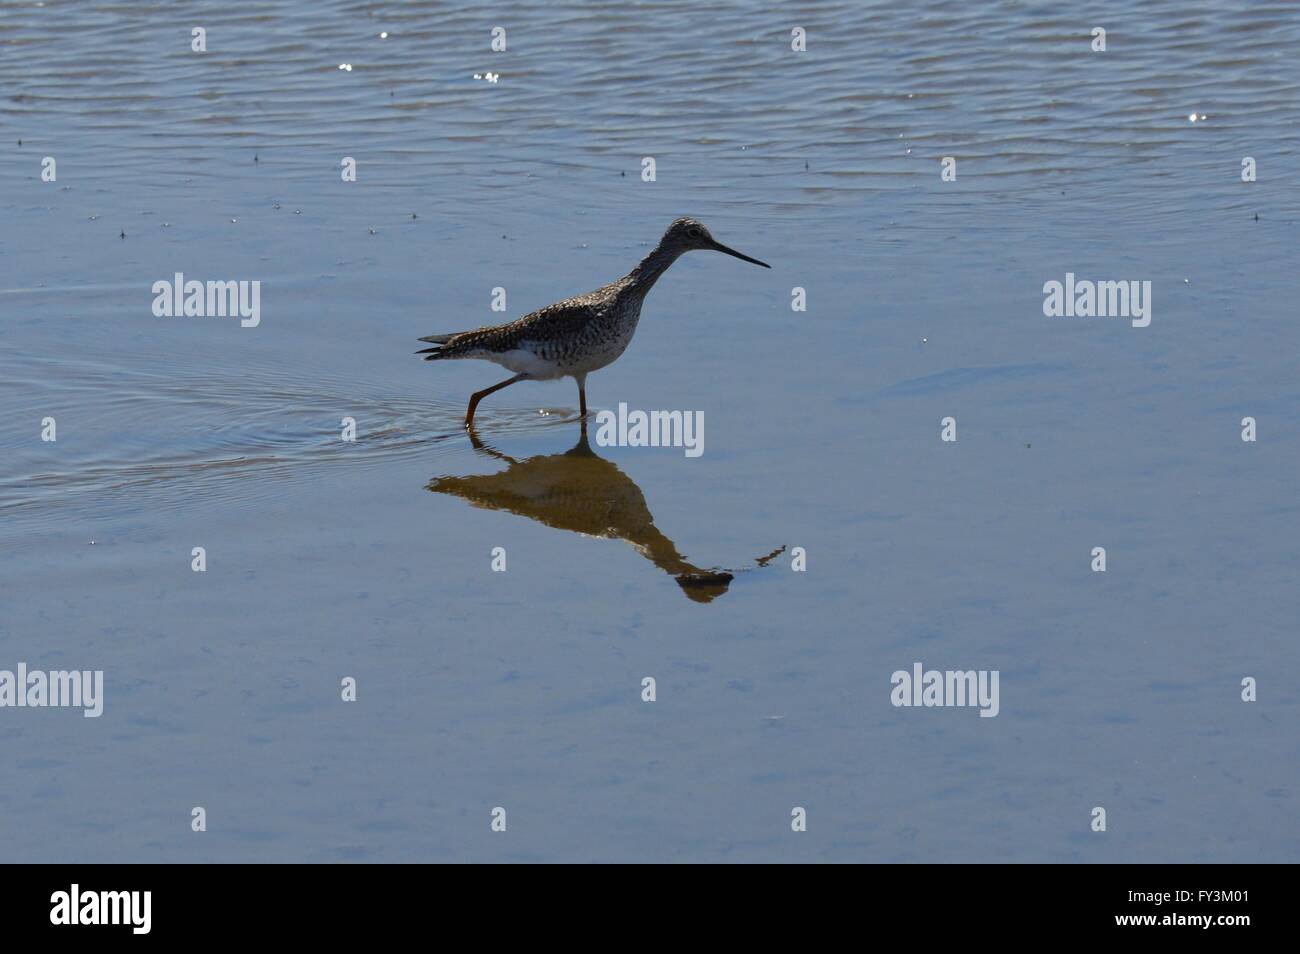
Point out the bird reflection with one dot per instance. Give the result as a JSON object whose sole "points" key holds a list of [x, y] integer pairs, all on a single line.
{"points": [[583, 492]]}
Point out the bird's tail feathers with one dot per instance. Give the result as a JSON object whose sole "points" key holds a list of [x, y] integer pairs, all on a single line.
{"points": [[437, 340]]}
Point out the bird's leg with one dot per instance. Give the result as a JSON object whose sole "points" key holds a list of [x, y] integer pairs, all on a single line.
{"points": [[480, 395], [582, 397]]}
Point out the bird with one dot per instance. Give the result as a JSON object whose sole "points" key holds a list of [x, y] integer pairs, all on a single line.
{"points": [[578, 335]]}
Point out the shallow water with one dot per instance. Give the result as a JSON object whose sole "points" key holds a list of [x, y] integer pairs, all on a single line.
{"points": [[522, 689]]}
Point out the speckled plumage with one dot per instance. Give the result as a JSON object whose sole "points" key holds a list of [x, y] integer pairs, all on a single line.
{"points": [[578, 335]]}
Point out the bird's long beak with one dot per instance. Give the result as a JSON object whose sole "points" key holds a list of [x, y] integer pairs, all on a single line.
{"points": [[719, 247]]}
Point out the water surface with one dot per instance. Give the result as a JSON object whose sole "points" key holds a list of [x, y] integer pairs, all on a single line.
{"points": [[522, 689]]}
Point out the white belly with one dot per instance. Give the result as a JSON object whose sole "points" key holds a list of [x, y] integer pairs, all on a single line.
{"points": [[524, 361]]}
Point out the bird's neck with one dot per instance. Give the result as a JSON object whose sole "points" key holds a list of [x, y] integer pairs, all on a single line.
{"points": [[643, 277]]}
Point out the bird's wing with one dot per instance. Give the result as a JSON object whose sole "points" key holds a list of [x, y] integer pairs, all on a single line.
{"points": [[563, 320]]}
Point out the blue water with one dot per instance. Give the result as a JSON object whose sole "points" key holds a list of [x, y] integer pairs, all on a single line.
{"points": [[372, 560]]}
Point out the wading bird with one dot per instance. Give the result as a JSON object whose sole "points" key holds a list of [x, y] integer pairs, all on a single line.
{"points": [[574, 337]]}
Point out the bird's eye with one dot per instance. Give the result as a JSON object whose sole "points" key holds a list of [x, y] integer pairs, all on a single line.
{"points": [[693, 233]]}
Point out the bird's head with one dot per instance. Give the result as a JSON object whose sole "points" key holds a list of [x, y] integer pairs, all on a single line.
{"points": [[687, 234]]}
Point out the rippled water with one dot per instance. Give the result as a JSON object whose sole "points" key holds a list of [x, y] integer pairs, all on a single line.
{"points": [[372, 559]]}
